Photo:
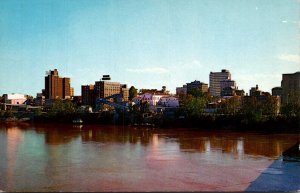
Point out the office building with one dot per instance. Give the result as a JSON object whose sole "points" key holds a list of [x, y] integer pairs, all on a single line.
{"points": [[277, 91], [103, 89], [215, 79], [290, 88], [181, 90], [254, 91], [203, 87], [88, 94], [56, 87]]}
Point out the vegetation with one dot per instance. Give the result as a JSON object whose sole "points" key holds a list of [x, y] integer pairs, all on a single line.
{"points": [[132, 92]]}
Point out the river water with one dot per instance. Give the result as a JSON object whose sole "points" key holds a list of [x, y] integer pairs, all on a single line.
{"points": [[53, 157]]}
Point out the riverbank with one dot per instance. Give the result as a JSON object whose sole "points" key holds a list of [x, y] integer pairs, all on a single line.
{"points": [[228, 122]]}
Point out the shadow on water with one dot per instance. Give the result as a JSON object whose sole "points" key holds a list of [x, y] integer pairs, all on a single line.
{"points": [[292, 154], [282, 174]]}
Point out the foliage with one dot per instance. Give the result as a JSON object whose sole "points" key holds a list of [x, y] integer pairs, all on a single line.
{"points": [[231, 105], [132, 92], [63, 108], [194, 106], [251, 109], [291, 109]]}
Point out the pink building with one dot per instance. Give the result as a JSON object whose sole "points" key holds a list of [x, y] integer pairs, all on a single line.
{"points": [[14, 99]]}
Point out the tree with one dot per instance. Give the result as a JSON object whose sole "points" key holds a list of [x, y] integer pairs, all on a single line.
{"points": [[132, 92], [63, 107], [231, 105], [194, 106], [251, 108]]}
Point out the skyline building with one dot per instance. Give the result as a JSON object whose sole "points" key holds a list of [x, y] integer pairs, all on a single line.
{"points": [[215, 79], [102, 89], [290, 87], [203, 87], [57, 87]]}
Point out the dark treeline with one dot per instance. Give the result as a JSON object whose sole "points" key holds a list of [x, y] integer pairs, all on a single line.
{"points": [[233, 113]]}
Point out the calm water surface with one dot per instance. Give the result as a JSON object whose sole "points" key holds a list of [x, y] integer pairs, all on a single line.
{"points": [[114, 158]]}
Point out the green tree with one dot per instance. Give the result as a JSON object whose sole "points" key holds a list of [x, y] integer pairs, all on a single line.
{"points": [[231, 105], [251, 108], [194, 106], [63, 107], [132, 92]]}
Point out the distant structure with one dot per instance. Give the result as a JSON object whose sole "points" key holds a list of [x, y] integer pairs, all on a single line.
{"points": [[88, 95], [181, 90], [254, 91], [14, 99], [189, 87], [228, 88], [290, 87], [215, 79], [103, 89], [203, 87], [277, 91], [57, 87]]}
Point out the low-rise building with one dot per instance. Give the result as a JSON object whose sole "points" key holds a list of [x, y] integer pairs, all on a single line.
{"points": [[168, 101], [14, 99]]}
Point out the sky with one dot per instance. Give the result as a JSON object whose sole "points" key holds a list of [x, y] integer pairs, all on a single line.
{"points": [[147, 43]]}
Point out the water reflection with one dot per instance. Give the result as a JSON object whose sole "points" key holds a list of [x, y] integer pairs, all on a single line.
{"points": [[112, 158]]}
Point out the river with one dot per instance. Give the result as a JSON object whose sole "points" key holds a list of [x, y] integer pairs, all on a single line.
{"points": [[50, 157]]}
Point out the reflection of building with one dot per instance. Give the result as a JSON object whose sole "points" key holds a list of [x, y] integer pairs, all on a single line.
{"points": [[290, 87], [214, 81], [57, 87]]}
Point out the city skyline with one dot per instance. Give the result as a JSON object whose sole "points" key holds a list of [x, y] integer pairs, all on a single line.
{"points": [[147, 44]]}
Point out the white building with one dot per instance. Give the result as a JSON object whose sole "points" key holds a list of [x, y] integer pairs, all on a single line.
{"points": [[214, 81], [168, 101], [152, 99], [14, 99]]}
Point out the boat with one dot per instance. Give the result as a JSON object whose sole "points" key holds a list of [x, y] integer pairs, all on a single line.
{"points": [[77, 121]]}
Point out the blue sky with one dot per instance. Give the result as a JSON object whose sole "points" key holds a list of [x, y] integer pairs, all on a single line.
{"points": [[147, 43]]}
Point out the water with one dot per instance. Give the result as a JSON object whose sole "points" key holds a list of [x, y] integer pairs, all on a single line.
{"points": [[115, 158]]}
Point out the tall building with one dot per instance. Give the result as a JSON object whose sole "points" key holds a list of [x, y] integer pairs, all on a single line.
{"points": [[277, 91], [56, 87], [254, 91], [88, 94], [181, 90], [203, 87], [214, 81], [102, 89], [290, 87]]}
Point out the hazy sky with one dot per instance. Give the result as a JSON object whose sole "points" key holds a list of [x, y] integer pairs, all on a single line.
{"points": [[147, 43]]}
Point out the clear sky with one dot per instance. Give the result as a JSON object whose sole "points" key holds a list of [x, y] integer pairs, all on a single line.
{"points": [[147, 43]]}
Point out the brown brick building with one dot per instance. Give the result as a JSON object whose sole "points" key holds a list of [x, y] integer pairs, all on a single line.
{"points": [[57, 87], [102, 89]]}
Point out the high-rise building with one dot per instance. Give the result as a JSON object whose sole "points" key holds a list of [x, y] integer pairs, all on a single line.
{"points": [[56, 87], [88, 94], [277, 91], [290, 87], [203, 87], [102, 89], [214, 81]]}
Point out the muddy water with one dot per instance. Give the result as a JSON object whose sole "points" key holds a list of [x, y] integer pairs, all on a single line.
{"points": [[112, 158]]}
